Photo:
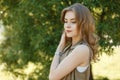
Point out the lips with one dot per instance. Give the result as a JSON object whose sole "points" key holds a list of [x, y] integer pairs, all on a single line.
{"points": [[68, 31]]}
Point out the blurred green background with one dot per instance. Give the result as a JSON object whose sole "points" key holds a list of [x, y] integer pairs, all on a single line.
{"points": [[31, 29]]}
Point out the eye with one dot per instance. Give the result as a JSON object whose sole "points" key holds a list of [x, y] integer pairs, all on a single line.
{"points": [[74, 22], [65, 21]]}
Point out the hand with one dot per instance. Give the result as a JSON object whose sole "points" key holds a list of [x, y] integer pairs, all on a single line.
{"points": [[62, 43], [63, 39]]}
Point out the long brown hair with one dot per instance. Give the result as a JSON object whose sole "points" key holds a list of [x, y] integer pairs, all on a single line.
{"points": [[86, 25]]}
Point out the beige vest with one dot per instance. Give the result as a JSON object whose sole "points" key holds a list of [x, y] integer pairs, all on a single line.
{"points": [[75, 75]]}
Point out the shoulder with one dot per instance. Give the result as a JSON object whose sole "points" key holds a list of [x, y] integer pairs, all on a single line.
{"points": [[82, 50], [80, 53], [82, 47]]}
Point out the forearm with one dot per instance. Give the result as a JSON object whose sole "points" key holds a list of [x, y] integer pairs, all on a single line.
{"points": [[60, 48], [53, 67], [55, 63]]}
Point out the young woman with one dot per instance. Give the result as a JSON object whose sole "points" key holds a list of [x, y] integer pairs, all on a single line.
{"points": [[77, 47]]}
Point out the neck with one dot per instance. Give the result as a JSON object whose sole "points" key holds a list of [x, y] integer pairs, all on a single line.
{"points": [[75, 40]]}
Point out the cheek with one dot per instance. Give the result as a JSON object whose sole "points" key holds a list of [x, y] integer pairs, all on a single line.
{"points": [[75, 27], [64, 26], [75, 30]]}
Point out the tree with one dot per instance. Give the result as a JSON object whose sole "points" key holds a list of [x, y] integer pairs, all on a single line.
{"points": [[33, 28]]}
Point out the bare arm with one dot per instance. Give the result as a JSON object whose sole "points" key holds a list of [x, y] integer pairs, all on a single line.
{"points": [[55, 61], [79, 55]]}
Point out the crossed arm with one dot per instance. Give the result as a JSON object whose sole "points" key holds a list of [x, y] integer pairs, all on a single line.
{"points": [[79, 55]]}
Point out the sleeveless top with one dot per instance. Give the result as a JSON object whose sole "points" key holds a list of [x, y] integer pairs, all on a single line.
{"points": [[75, 74]]}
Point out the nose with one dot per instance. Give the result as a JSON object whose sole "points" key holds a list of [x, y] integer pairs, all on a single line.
{"points": [[68, 25]]}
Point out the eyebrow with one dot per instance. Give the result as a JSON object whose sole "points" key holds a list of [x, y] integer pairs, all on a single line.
{"points": [[70, 19]]}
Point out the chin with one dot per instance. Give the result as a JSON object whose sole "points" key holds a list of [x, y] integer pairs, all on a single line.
{"points": [[69, 36]]}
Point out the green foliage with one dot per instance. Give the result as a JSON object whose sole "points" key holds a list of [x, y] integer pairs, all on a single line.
{"points": [[33, 28]]}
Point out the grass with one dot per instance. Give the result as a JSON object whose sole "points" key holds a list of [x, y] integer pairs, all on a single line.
{"points": [[108, 68]]}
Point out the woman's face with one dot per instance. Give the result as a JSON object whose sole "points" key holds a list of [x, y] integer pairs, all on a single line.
{"points": [[70, 24]]}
